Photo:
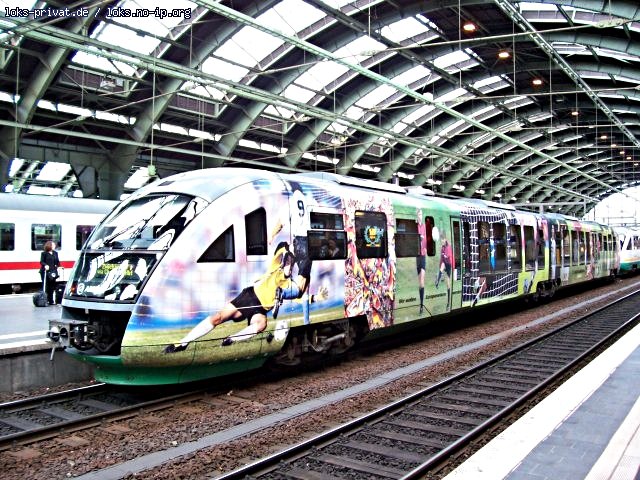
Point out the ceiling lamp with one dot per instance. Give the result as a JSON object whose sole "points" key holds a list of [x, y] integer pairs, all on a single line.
{"points": [[536, 82], [603, 137], [575, 113], [469, 27], [504, 54]]}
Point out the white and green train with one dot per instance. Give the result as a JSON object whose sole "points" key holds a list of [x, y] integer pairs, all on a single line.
{"points": [[216, 271]]}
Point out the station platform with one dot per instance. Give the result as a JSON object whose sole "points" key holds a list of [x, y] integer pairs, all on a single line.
{"points": [[23, 327], [587, 429], [25, 351]]}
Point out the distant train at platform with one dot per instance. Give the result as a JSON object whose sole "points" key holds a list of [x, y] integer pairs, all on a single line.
{"points": [[218, 271], [629, 249], [29, 221]]}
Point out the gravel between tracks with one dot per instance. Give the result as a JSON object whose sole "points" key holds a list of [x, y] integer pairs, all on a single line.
{"points": [[114, 443]]}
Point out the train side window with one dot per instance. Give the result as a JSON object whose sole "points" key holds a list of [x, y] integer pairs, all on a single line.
{"points": [[530, 251], [221, 250], [41, 233], [327, 239], [7, 236], [407, 238], [256, 228], [515, 247], [541, 247], [558, 242], [82, 233], [583, 247], [429, 223], [499, 231], [605, 242], [484, 264], [371, 234], [566, 243], [575, 248]]}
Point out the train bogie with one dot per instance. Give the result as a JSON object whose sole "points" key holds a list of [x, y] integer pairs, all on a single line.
{"points": [[217, 271]]}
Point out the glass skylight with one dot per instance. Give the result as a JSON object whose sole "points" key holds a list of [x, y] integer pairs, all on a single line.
{"points": [[324, 73], [450, 61], [403, 29], [291, 16], [53, 171], [16, 164], [117, 33]]}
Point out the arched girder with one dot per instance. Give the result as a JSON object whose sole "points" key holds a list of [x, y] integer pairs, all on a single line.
{"points": [[39, 81], [621, 8], [342, 103], [123, 156]]}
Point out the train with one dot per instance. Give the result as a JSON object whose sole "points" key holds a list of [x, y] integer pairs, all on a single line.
{"points": [[629, 249], [219, 271], [28, 221]]}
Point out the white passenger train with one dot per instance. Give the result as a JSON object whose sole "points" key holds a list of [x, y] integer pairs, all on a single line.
{"points": [[629, 249], [27, 222]]}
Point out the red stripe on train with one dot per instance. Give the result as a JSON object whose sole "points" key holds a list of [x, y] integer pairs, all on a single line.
{"points": [[30, 265]]}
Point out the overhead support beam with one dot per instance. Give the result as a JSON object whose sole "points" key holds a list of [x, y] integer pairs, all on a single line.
{"points": [[39, 81], [245, 20], [512, 11], [52, 35]]}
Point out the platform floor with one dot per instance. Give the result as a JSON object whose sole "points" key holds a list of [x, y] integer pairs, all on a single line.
{"points": [[22, 324], [588, 429]]}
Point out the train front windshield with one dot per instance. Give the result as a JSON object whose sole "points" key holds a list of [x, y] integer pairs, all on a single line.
{"points": [[123, 250]]}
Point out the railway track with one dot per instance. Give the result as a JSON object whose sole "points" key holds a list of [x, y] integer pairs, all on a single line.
{"points": [[409, 438], [46, 416]]}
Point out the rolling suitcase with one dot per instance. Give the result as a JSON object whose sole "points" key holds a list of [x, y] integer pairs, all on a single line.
{"points": [[40, 298], [59, 293]]}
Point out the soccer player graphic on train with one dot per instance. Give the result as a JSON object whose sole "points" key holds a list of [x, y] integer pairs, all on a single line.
{"points": [[254, 302]]}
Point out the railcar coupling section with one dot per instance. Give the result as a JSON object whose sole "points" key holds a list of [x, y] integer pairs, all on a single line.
{"points": [[410, 437]]}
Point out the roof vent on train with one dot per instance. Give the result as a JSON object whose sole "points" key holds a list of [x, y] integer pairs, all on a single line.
{"points": [[420, 191]]}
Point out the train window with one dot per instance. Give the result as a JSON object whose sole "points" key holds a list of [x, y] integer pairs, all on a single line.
{"points": [[41, 233], [327, 240], [558, 249], [566, 243], [7, 236], [457, 259], [429, 223], [515, 247], [499, 232], [541, 247], [256, 228], [605, 242], [221, 250], [575, 248], [326, 221], [371, 234], [530, 251], [82, 233], [588, 246], [484, 264], [407, 238], [583, 247], [327, 245]]}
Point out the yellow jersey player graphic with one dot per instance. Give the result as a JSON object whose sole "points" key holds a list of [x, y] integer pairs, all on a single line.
{"points": [[252, 304]]}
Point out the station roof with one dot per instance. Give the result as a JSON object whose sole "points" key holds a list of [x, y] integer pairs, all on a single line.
{"points": [[515, 102]]}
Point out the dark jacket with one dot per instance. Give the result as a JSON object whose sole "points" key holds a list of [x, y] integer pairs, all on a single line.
{"points": [[51, 259]]}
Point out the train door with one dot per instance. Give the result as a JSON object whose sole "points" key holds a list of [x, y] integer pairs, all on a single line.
{"points": [[555, 251], [411, 264], [457, 265]]}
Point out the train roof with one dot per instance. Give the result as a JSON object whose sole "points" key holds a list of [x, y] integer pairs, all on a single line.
{"points": [[208, 183], [45, 203]]}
